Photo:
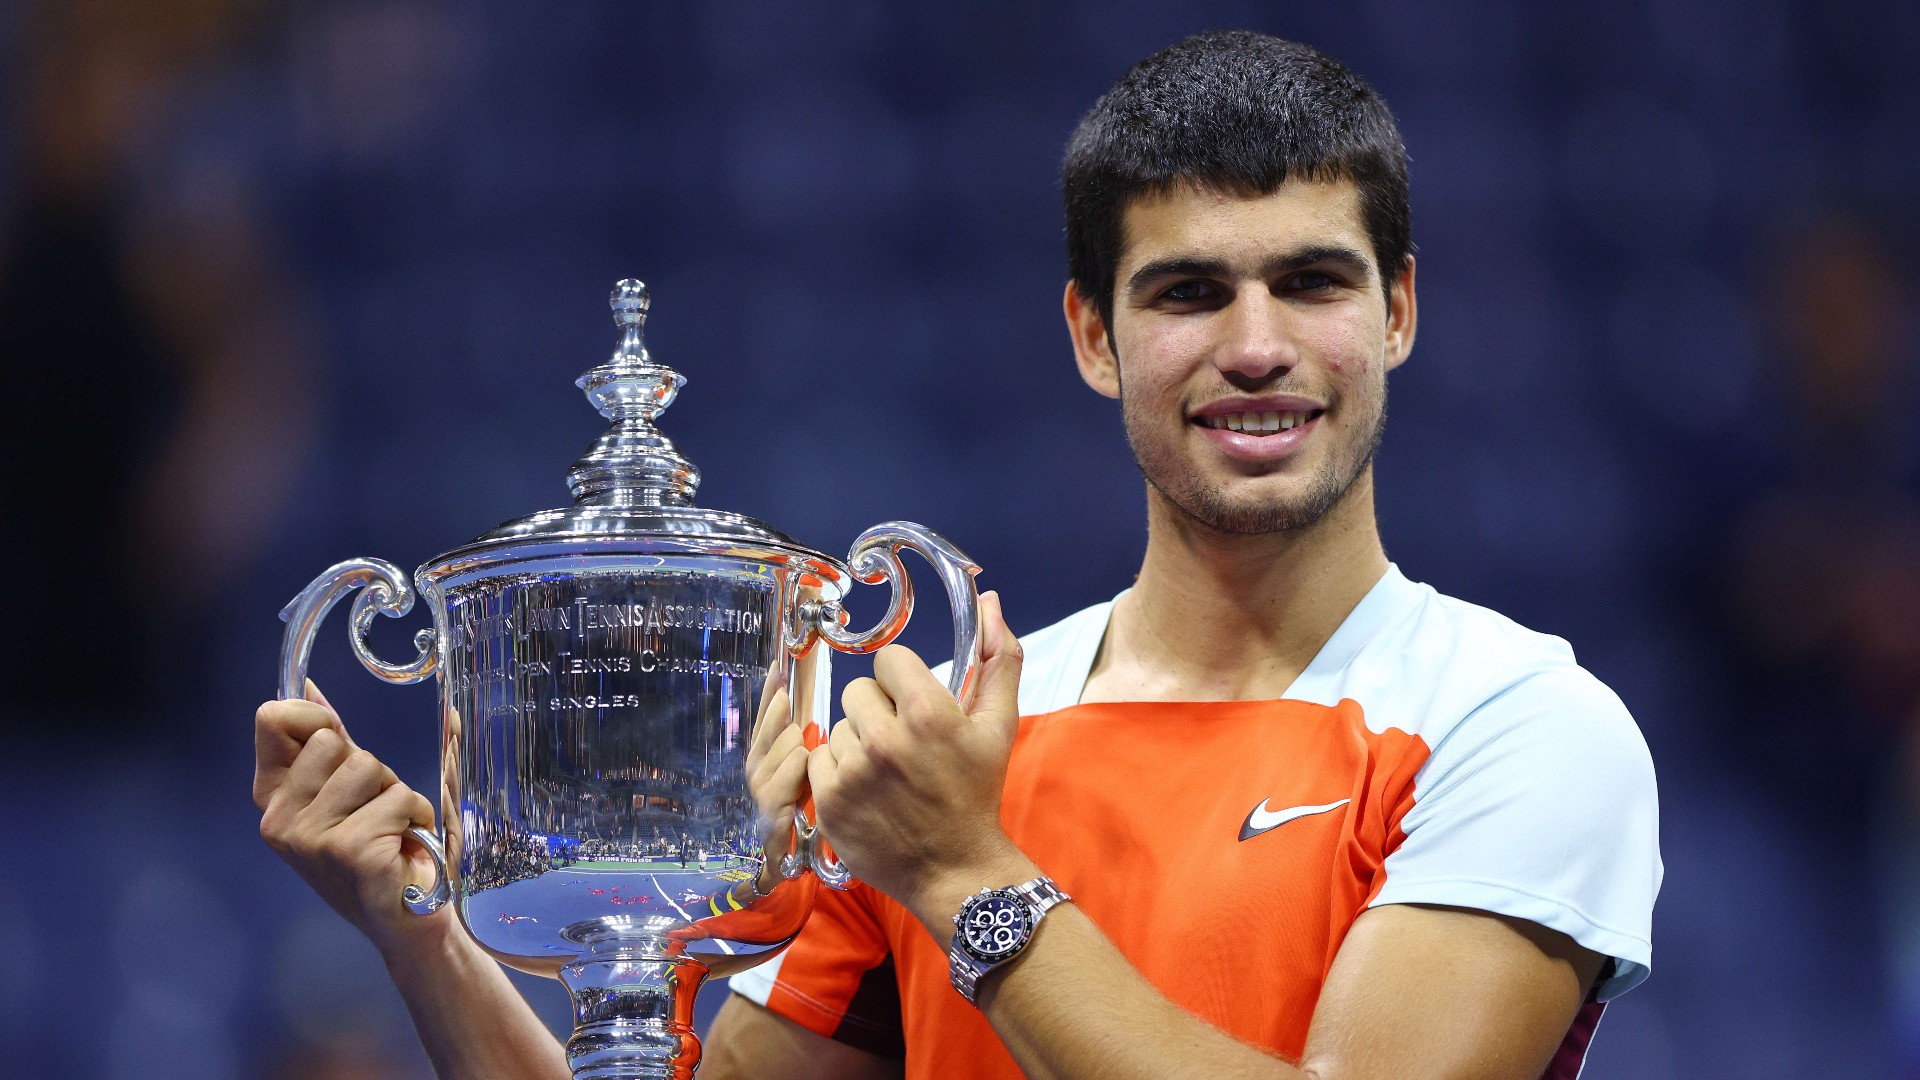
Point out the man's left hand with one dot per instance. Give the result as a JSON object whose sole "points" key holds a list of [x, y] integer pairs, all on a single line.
{"points": [[907, 786]]}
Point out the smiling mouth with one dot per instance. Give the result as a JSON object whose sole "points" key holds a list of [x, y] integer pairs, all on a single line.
{"points": [[1259, 423]]}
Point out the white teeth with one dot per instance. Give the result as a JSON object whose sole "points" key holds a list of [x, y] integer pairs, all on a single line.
{"points": [[1258, 422]]}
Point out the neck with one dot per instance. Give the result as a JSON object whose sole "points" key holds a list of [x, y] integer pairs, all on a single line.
{"points": [[1230, 617]]}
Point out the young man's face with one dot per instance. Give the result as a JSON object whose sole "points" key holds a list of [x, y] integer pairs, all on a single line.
{"points": [[1250, 344]]}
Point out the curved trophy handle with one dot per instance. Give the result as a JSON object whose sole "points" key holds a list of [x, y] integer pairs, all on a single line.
{"points": [[808, 853], [429, 900], [387, 592], [876, 558]]}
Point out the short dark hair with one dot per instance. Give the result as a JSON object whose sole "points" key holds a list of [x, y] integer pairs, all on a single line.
{"points": [[1237, 112]]}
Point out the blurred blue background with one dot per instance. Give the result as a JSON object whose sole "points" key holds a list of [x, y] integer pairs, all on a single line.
{"points": [[286, 283]]}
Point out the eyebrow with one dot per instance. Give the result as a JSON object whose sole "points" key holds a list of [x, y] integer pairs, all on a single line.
{"points": [[1348, 259]]}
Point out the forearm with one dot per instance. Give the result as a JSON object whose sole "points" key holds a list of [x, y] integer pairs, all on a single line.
{"points": [[1073, 1008], [1117, 1027], [473, 1023]]}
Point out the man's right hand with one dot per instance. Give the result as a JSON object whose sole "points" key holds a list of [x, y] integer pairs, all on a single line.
{"points": [[339, 817]]}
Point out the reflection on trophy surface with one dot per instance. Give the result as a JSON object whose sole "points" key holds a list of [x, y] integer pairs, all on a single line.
{"points": [[602, 670]]}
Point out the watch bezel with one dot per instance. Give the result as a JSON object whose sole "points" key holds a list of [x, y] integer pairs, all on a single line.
{"points": [[973, 903]]}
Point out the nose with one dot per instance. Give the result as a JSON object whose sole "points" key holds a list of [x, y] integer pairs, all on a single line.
{"points": [[1255, 348]]}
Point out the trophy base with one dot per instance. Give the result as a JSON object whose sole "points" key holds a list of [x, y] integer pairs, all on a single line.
{"points": [[632, 1006]]}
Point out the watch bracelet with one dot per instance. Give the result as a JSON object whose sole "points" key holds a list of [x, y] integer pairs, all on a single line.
{"points": [[1041, 894]]}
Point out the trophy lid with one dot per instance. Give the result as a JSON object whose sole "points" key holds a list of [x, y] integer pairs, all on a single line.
{"points": [[632, 489]]}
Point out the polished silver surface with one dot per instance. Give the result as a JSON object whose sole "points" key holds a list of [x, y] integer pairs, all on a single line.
{"points": [[386, 592], [602, 668], [431, 898], [632, 464], [598, 721], [810, 852]]}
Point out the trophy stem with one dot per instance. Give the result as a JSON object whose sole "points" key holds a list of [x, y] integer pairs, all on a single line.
{"points": [[633, 1011]]}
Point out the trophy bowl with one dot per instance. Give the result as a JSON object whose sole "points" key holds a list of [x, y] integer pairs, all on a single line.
{"points": [[602, 669]]}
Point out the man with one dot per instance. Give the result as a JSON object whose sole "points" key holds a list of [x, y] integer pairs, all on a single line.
{"points": [[1275, 811]]}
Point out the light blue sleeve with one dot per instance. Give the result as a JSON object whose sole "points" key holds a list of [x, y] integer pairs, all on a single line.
{"points": [[1540, 805]]}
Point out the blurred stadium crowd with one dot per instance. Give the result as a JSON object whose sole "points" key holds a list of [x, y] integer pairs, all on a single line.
{"points": [[286, 283]]}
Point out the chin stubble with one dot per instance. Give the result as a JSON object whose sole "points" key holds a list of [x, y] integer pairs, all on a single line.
{"points": [[1210, 507]]}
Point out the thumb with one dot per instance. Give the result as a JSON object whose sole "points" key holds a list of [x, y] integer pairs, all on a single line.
{"points": [[314, 695], [998, 697]]}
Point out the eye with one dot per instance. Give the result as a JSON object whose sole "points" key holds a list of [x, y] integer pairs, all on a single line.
{"points": [[1312, 281], [1193, 291]]}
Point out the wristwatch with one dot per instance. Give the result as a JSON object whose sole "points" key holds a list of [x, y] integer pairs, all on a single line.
{"points": [[993, 926]]}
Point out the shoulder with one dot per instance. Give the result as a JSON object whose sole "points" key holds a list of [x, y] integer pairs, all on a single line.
{"points": [[1441, 662], [1537, 798]]}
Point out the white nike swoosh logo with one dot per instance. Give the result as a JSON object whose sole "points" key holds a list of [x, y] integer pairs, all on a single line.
{"points": [[1263, 819]]}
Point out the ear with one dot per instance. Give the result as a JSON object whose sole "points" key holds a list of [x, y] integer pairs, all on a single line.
{"points": [[1403, 316], [1092, 346]]}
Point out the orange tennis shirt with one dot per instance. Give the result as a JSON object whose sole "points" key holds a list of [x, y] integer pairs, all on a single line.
{"points": [[1432, 753]]}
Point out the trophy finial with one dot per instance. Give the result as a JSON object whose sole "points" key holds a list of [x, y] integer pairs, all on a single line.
{"points": [[630, 303], [632, 464]]}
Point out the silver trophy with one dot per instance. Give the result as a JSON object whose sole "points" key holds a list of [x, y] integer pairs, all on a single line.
{"points": [[601, 669]]}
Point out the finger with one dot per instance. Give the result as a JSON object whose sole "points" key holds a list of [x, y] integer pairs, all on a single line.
{"points": [[822, 773], [390, 813], [843, 741], [866, 704], [790, 740], [902, 674], [774, 720], [995, 638], [419, 807], [280, 731], [354, 784], [281, 728], [779, 814], [998, 697], [313, 694], [323, 753], [776, 681], [783, 790]]}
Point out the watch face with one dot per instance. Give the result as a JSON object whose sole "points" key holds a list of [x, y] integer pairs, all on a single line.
{"points": [[994, 926]]}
